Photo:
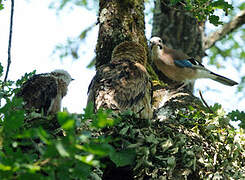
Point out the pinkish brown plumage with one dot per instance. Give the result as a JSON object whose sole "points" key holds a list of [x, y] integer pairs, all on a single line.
{"points": [[180, 67]]}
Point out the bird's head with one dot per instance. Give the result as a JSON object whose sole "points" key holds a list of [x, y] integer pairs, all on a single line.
{"points": [[63, 75], [132, 50], [156, 42]]}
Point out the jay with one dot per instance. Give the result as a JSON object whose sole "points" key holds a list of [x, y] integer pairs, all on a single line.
{"points": [[179, 67]]}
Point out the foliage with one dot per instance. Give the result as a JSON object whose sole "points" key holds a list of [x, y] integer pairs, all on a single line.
{"points": [[34, 146], [191, 144], [203, 9], [1, 5], [238, 116], [83, 146]]}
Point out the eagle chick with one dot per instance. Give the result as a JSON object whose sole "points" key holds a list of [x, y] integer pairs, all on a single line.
{"points": [[44, 92], [123, 84]]}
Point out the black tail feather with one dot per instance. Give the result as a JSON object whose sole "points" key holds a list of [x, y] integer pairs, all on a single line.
{"points": [[223, 80]]}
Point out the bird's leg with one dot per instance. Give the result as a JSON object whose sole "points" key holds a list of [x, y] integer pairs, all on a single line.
{"points": [[181, 87]]}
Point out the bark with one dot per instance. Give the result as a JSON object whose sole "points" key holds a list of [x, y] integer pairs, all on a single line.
{"points": [[119, 21], [180, 31], [178, 28], [124, 20]]}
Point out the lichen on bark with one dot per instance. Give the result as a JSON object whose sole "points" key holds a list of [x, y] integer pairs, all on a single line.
{"points": [[119, 21]]}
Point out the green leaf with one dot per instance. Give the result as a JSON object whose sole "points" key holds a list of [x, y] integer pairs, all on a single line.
{"points": [[66, 121], [123, 158], [214, 20], [1, 67], [103, 119], [91, 63], [151, 139], [171, 162], [124, 130], [62, 151], [1, 6], [173, 2], [221, 4], [238, 116], [98, 149], [89, 159], [4, 167], [167, 144]]}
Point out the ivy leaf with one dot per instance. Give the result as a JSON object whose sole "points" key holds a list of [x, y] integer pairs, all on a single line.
{"points": [[123, 158], [98, 149], [66, 121], [173, 2]]}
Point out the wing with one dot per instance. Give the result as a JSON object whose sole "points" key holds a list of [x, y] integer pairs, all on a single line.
{"points": [[189, 63], [38, 92], [120, 86]]}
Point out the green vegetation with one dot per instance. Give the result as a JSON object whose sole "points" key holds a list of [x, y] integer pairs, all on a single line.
{"points": [[82, 146]]}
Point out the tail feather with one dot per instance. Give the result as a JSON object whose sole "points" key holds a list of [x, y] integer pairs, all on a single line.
{"points": [[223, 80]]}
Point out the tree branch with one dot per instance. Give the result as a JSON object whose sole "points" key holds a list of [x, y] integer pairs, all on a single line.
{"points": [[227, 28], [10, 40]]}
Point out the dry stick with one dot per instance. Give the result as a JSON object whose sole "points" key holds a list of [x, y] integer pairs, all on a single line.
{"points": [[10, 40], [200, 92]]}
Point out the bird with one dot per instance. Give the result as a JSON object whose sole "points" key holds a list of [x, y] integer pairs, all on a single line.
{"points": [[123, 83], [44, 92], [179, 67]]}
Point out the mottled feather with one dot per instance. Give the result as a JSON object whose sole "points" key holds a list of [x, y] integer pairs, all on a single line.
{"points": [[44, 92], [123, 84]]}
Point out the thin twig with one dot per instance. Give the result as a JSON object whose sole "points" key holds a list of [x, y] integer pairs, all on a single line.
{"points": [[206, 104], [10, 40], [9, 47]]}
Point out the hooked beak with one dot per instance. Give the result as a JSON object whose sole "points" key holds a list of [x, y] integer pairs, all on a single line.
{"points": [[153, 43]]}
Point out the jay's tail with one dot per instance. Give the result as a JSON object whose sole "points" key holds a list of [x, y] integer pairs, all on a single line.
{"points": [[223, 80]]}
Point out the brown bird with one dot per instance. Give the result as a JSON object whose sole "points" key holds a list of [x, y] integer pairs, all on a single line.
{"points": [[123, 84], [44, 92]]}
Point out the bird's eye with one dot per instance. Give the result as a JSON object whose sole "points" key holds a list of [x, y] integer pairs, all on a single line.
{"points": [[160, 41]]}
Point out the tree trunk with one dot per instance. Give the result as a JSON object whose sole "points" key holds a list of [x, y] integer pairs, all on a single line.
{"points": [[119, 21], [178, 28], [168, 146], [180, 31]]}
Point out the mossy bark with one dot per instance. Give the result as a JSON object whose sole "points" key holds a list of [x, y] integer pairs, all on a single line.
{"points": [[178, 28], [180, 31], [119, 21], [123, 20]]}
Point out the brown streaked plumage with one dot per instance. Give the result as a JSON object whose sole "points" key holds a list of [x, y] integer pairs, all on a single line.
{"points": [[44, 92], [123, 84]]}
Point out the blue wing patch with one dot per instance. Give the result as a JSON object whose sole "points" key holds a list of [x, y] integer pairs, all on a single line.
{"points": [[183, 63]]}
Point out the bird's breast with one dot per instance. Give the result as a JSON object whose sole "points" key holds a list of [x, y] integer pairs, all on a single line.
{"points": [[173, 72]]}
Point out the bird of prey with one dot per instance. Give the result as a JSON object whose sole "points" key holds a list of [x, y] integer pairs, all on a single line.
{"points": [[44, 92], [179, 67], [123, 84]]}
